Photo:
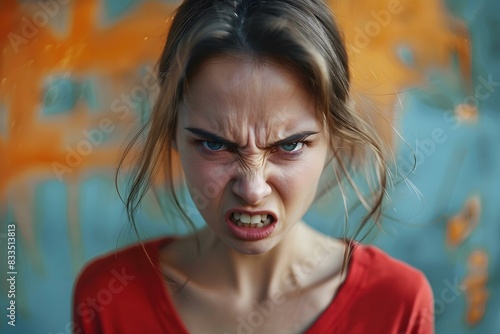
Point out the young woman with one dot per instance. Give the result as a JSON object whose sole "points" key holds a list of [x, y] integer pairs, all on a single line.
{"points": [[255, 105]]}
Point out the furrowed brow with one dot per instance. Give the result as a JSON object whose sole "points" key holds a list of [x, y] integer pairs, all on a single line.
{"points": [[294, 138], [213, 137], [210, 136]]}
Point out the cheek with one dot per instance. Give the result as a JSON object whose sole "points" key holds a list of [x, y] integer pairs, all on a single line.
{"points": [[298, 183], [206, 182]]}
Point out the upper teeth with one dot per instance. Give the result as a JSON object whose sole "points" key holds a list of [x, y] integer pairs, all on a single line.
{"points": [[243, 219]]}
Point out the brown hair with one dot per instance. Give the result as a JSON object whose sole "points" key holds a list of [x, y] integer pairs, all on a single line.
{"points": [[301, 35]]}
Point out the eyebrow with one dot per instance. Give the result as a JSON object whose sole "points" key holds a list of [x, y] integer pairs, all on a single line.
{"points": [[213, 137]]}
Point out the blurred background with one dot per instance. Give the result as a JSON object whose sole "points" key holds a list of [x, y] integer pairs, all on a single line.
{"points": [[76, 78]]}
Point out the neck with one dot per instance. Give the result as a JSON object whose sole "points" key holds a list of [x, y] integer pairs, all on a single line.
{"points": [[290, 266]]}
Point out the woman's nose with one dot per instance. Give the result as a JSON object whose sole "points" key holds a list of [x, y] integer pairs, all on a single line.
{"points": [[252, 187]]}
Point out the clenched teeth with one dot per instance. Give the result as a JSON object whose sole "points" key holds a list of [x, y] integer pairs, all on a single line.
{"points": [[254, 221]]}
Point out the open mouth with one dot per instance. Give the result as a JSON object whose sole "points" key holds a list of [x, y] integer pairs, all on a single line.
{"points": [[251, 221]]}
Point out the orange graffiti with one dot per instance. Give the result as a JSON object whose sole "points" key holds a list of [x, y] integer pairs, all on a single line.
{"points": [[461, 226], [32, 144], [466, 113], [475, 286], [377, 31]]}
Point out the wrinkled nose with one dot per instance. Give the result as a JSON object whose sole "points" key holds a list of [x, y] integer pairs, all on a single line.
{"points": [[252, 187]]}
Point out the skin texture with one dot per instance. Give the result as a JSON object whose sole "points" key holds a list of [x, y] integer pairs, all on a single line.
{"points": [[252, 105]]}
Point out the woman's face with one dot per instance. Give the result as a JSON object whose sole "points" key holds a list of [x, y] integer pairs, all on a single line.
{"points": [[252, 150]]}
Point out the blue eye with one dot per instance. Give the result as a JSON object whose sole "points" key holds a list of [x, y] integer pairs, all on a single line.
{"points": [[292, 146], [213, 145]]}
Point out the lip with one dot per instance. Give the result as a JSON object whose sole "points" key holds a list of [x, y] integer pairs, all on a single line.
{"points": [[250, 233]]}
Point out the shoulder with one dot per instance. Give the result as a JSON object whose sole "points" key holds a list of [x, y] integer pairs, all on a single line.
{"points": [[394, 278], [390, 286], [110, 285], [385, 270], [107, 267]]}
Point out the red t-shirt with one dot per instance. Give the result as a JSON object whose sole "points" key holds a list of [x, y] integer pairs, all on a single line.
{"points": [[124, 293]]}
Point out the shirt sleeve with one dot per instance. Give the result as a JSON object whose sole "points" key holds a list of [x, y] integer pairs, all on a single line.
{"points": [[422, 318], [85, 309]]}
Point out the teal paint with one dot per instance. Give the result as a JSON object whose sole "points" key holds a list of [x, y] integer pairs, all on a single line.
{"points": [[88, 92], [465, 163], [60, 96], [406, 55], [52, 235], [117, 8]]}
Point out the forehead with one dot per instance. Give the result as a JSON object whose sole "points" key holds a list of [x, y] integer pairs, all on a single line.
{"points": [[230, 92]]}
